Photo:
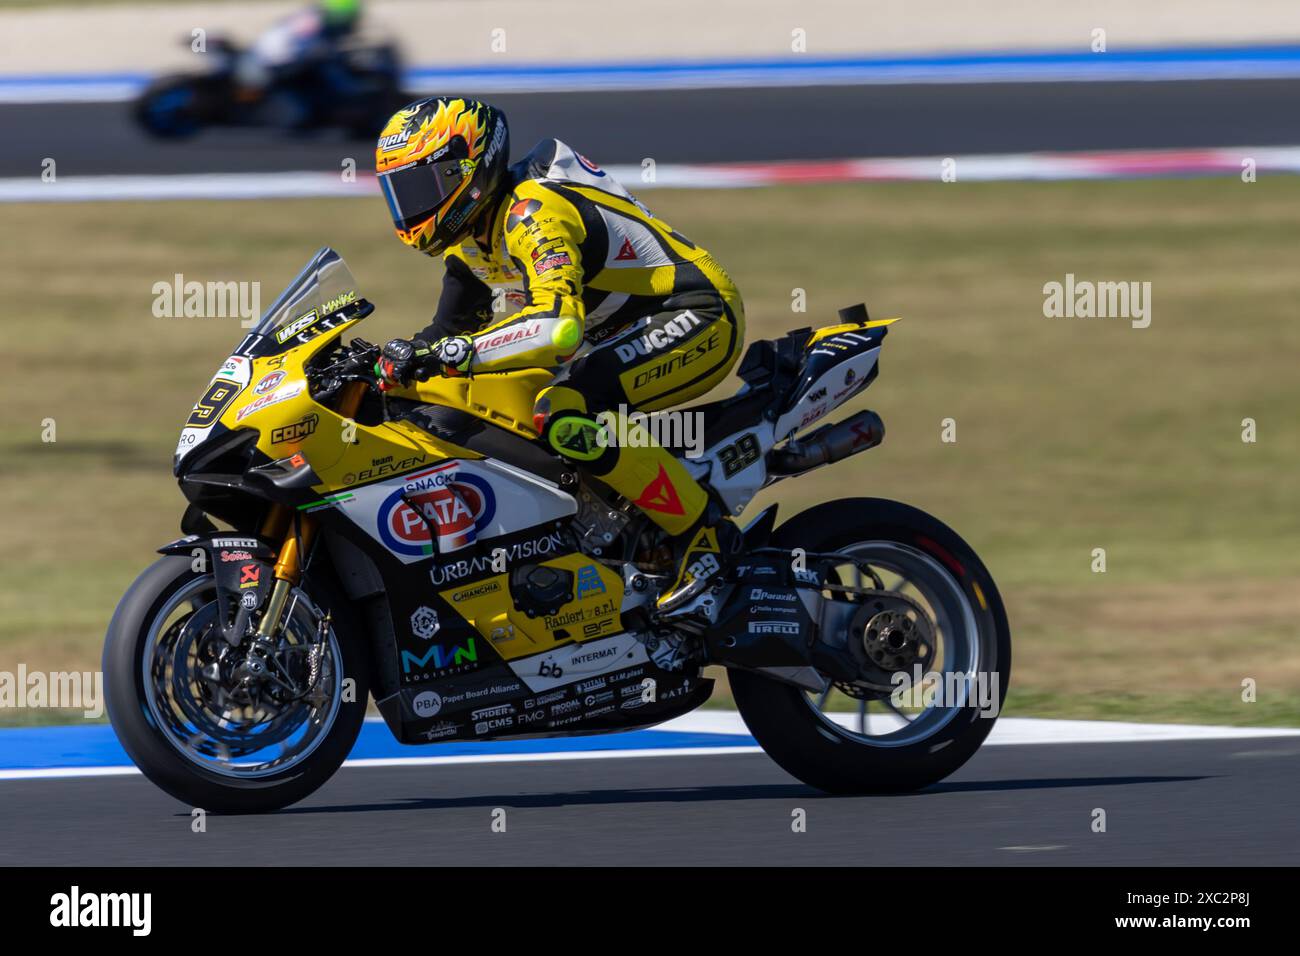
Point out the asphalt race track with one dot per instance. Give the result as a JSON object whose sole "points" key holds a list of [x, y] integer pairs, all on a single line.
{"points": [[1207, 802], [722, 125]]}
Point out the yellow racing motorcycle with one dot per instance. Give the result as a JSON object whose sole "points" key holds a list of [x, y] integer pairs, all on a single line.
{"points": [[479, 587]]}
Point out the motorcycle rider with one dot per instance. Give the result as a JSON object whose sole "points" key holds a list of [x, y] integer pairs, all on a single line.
{"points": [[629, 312]]}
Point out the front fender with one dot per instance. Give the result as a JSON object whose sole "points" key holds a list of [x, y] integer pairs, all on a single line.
{"points": [[217, 540], [242, 567]]}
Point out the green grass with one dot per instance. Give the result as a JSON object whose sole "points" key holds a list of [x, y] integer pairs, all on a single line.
{"points": [[1072, 434]]}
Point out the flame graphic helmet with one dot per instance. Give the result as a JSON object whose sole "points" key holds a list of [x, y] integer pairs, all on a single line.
{"points": [[441, 162]]}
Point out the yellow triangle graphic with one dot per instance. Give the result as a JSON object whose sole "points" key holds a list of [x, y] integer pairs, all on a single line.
{"points": [[706, 540]]}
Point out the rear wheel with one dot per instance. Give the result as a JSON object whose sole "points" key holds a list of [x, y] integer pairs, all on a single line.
{"points": [[924, 606], [209, 724]]}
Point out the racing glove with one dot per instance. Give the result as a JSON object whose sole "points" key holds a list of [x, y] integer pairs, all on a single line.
{"points": [[402, 361]]}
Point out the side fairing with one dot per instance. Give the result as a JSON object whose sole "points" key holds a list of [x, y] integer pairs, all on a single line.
{"points": [[473, 658]]}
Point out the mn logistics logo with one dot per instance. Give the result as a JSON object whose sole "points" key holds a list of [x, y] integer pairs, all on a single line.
{"points": [[77, 909], [443, 658]]}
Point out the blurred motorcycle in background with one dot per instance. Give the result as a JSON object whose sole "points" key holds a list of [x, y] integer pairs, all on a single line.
{"points": [[289, 80]]}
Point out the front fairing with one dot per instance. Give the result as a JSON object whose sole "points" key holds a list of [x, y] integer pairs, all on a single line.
{"points": [[263, 386]]}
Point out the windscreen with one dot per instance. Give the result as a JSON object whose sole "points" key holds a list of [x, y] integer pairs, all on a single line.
{"points": [[307, 307]]}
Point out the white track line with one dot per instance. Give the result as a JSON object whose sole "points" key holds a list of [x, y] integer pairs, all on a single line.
{"points": [[287, 185], [542, 757], [49, 773], [1117, 164], [1013, 730]]}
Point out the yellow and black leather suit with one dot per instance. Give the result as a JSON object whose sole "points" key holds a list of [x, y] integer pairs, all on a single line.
{"points": [[577, 275]]}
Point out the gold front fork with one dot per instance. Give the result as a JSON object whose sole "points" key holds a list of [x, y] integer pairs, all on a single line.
{"points": [[295, 543], [288, 566]]}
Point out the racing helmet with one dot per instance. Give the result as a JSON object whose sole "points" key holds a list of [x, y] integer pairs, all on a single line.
{"points": [[441, 162]]}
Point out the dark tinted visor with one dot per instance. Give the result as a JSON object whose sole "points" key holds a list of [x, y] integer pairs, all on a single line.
{"points": [[415, 192]]}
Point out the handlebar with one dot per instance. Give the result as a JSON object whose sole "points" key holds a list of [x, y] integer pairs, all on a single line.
{"points": [[355, 363]]}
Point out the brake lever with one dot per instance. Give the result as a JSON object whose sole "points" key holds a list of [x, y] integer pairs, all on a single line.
{"points": [[331, 383], [356, 366]]}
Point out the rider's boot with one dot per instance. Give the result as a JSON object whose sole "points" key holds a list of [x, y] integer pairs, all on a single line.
{"points": [[706, 555]]}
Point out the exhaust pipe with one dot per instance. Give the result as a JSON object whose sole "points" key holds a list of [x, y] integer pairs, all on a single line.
{"points": [[828, 444]]}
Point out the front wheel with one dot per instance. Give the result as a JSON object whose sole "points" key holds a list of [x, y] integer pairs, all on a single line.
{"points": [[171, 108], [929, 610], [207, 728]]}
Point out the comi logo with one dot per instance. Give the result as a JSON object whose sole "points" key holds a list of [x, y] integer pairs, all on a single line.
{"points": [[295, 432], [440, 656]]}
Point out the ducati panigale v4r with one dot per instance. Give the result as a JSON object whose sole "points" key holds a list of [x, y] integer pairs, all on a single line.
{"points": [[479, 587]]}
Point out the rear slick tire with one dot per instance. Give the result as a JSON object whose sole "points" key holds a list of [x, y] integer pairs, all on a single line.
{"points": [[831, 758]]}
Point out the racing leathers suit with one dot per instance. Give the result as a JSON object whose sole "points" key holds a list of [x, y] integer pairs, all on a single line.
{"points": [[630, 313]]}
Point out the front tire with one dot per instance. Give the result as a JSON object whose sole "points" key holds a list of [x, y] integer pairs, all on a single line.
{"points": [[146, 727], [171, 108], [825, 753]]}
